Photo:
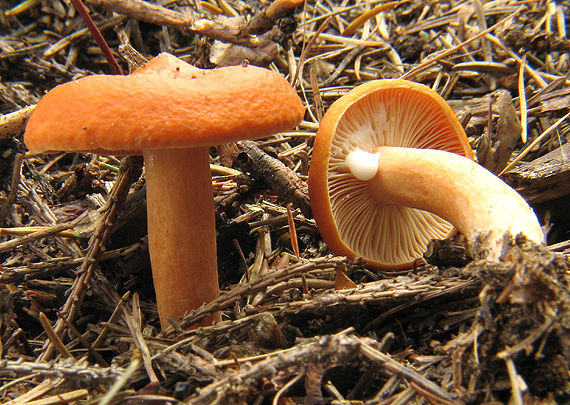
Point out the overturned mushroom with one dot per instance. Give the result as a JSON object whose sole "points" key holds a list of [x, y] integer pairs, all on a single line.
{"points": [[392, 169], [172, 112]]}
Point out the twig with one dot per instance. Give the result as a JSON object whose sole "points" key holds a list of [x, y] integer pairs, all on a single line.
{"points": [[112, 319], [405, 372], [266, 18], [307, 47], [133, 321], [293, 232], [529, 340], [280, 179], [327, 350], [65, 41], [100, 360], [259, 284], [71, 371]]}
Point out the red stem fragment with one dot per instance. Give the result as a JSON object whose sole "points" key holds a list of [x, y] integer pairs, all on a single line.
{"points": [[116, 69]]}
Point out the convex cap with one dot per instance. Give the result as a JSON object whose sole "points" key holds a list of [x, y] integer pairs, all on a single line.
{"points": [[165, 104]]}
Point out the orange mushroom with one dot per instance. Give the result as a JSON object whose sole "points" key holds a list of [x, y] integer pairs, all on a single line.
{"points": [[392, 169], [172, 112]]}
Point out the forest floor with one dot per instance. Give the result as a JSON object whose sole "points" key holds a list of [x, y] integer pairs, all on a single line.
{"points": [[78, 314]]}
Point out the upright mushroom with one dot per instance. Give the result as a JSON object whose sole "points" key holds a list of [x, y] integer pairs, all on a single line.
{"points": [[392, 169], [172, 112]]}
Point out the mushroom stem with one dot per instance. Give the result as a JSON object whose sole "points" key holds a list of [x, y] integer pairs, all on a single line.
{"points": [[182, 232], [479, 204]]}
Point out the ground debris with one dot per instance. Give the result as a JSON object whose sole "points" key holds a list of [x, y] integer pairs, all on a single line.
{"points": [[74, 267], [524, 319]]}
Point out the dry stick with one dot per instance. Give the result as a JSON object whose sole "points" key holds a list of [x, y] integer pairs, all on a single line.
{"points": [[259, 284], [537, 77], [80, 33], [327, 350], [516, 382], [131, 169], [33, 270], [407, 373], [317, 97], [266, 18], [281, 180], [98, 37], [528, 341], [39, 390], [343, 64], [16, 174], [427, 64]]}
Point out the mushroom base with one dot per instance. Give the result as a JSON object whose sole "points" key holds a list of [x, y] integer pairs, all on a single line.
{"points": [[475, 201], [182, 232]]}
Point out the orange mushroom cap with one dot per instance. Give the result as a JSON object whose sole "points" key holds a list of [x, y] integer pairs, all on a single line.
{"points": [[165, 104], [171, 111], [378, 113]]}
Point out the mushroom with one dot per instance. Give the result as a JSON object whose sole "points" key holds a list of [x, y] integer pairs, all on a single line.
{"points": [[172, 112], [392, 169]]}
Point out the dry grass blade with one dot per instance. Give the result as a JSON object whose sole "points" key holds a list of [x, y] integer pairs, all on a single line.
{"points": [[22, 7], [522, 100], [122, 381], [358, 22], [54, 338], [517, 384], [293, 232], [35, 234], [64, 398]]}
